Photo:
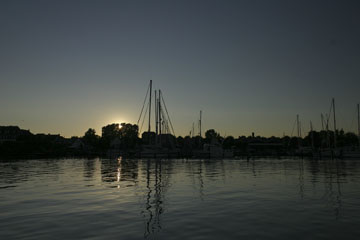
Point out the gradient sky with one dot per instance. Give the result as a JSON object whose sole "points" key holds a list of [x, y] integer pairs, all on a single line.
{"points": [[251, 66]]}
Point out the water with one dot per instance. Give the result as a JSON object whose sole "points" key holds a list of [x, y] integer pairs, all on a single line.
{"points": [[179, 199]]}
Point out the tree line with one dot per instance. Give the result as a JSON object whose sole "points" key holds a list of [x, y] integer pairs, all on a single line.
{"points": [[125, 136]]}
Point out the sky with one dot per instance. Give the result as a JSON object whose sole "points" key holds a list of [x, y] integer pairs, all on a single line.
{"points": [[250, 66]]}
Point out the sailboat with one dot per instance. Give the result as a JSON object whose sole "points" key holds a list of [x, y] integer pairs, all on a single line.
{"points": [[162, 142], [332, 150]]}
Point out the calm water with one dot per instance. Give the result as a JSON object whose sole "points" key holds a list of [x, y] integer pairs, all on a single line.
{"points": [[179, 199]]}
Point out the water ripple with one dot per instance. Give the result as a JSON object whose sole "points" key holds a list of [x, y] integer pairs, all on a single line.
{"points": [[179, 199]]}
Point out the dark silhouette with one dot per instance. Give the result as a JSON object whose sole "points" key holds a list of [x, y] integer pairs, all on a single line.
{"points": [[123, 140], [211, 134]]}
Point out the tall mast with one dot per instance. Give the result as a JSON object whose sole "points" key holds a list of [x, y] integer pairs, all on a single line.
{"points": [[333, 103], [322, 122], [192, 131], [358, 112], [312, 135], [150, 107], [156, 114], [297, 125], [327, 130], [159, 112], [298, 129], [200, 123]]}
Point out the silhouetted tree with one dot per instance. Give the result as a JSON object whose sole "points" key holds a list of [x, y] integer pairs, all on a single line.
{"points": [[350, 139], [211, 134], [126, 132], [180, 142], [229, 142], [129, 135], [90, 132], [91, 138], [111, 131]]}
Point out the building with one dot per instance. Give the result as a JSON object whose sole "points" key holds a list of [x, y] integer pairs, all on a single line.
{"points": [[12, 133]]}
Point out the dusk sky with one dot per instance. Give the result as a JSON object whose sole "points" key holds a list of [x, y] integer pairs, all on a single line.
{"points": [[250, 66]]}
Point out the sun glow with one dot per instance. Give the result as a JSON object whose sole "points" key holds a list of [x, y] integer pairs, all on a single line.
{"points": [[118, 121]]}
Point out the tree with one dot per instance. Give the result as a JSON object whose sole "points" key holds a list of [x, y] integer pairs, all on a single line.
{"points": [[126, 132], [229, 142], [90, 133], [180, 141], [211, 134], [350, 139], [90, 137], [129, 135], [110, 131]]}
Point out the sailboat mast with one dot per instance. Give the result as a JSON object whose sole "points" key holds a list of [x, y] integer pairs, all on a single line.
{"points": [[192, 131], [327, 130], [159, 112], [297, 125], [333, 102], [156, 114], [312, 135], [358, 113], [150, 107], [200, 123], [298, 129]]}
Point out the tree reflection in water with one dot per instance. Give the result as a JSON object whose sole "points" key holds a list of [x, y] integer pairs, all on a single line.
{"points": [[119, 170], [150, 180], [154, 183]]}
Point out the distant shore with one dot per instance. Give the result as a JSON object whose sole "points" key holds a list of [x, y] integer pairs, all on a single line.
{"points": [[123, 140]]}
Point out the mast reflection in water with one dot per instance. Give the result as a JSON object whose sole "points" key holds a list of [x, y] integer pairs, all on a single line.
{"points": [[179, 199]]}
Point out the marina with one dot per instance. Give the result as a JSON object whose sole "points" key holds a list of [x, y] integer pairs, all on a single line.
{"points": [[177, 120]]}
